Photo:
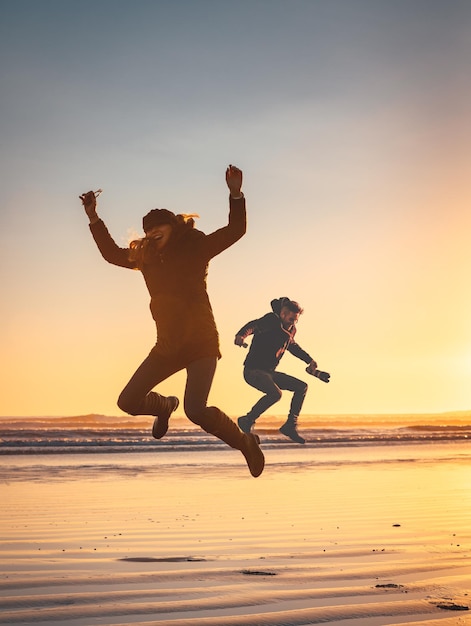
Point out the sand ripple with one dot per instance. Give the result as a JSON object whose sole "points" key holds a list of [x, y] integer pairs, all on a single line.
{"points": [[370, 545]]}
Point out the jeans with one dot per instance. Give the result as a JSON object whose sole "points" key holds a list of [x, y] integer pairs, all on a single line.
{"points": [[271, 383]]}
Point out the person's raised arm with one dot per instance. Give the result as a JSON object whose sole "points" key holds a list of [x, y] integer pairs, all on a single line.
{"points": [[224, 237], [110, 251]]}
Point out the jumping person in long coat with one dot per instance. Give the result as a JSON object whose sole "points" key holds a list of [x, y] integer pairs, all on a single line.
{"points": [[173, 258]]}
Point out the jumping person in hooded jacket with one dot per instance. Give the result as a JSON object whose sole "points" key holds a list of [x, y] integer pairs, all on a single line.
{"points": [[273, 335], [173, 258]]}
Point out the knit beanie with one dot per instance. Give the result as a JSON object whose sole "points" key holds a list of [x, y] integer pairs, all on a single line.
{"points": [[157, 217]]}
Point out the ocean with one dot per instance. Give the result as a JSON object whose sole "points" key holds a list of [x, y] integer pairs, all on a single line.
{"points": [[93, 433], [30, 435]]}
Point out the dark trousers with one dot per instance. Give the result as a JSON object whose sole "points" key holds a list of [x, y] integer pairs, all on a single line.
{"points": [[271, 384], [137, 397]]}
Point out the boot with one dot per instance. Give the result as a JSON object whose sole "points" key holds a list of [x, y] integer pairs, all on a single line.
{"points": [[221, 426], [289, 429], [167, 407], [245, 423]]}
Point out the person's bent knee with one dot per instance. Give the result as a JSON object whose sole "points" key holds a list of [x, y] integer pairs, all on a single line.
{"points": [[195, 412], [127, 405], [192, 416], [300, 387], [203, 418], [275, 395]]}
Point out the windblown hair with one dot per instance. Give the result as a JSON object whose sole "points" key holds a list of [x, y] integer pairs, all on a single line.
{"points": [[144, 250], [292, 306]]}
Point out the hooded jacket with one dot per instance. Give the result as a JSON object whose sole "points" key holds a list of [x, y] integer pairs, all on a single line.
{"points": [[270, 340], [176, 281]]}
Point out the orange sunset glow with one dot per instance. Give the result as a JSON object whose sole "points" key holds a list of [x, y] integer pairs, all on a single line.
{"points": [[350, 123]]}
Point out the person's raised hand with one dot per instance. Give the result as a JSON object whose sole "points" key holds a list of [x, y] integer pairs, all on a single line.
{"points": [[89, 203], [234, 180]]}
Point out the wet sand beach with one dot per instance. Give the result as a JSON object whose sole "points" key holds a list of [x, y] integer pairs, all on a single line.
{"points": [[361, 536]]}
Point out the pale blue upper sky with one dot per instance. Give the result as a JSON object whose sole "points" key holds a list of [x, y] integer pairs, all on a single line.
{"points": [[350, 120]]}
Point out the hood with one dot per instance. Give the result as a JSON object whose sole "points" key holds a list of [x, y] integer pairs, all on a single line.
{"points": [[277, 303]]}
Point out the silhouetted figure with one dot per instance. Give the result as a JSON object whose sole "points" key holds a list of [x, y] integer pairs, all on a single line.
{"points": [[173, 258], [273, 334]]}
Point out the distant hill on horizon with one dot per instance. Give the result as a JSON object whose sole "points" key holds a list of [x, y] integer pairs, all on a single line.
{"points": [[97, 420]]}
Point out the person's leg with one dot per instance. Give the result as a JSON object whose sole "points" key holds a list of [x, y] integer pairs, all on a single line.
{"points": [[200, 376], [299, 389], [199, 379], [138, 399], [263, 381]]}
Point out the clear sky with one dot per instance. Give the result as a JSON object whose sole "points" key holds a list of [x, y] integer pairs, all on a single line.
{"points": [[351, 122]]}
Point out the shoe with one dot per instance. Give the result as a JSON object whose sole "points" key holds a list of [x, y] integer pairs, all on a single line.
{"points": [[289, 430], [253, 455], [160, 426], [245, 423]]}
